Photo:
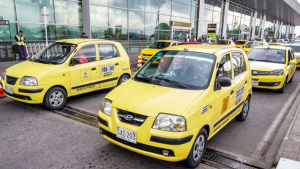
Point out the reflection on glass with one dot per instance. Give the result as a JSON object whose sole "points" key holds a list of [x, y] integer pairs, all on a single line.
{"points": [[136, 4], [37, 31], [5, 33], [66, 32], [176, 19], [195, 2], [209, 4], [218, 5], [151, 35], [151, 6], [164, 35], [136, 19], [209, 15], [194, 12], [7, 10], [165, 7], [99, 33], [135, 34], [216, 17], [68, 12], [186, 11], [117, 17], [99, 16], [187, 1], [176, 9], [102, 2], [118, 3], [117, 34], [151, 21], [164, 22]]}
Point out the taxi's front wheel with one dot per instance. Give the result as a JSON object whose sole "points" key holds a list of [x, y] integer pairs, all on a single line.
{"points": [[198, 150], [55, 98], [244, 113], [123, 79]]}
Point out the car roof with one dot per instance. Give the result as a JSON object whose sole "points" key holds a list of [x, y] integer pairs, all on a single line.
{"points": [[242, 40], [166, 41], [274, 47], [292, 44], [224, 40], [83, 40]]}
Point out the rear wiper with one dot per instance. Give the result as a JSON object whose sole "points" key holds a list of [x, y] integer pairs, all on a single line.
{"points": [[173, 82], [149, 79]]}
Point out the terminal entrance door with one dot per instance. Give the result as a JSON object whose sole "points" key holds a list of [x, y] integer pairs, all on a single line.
{"points": [[180, 35]]}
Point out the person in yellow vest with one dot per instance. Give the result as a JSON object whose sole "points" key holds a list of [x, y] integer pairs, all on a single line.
{"points": [[20, 40]]}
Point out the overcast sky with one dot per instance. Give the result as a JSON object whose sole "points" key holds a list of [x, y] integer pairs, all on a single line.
{"points": [[297, 31]]}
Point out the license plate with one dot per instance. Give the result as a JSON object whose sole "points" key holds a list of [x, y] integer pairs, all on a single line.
{"points": [[9, 89], [127, 135], [146, 58], [107, 69], [255, 82]]}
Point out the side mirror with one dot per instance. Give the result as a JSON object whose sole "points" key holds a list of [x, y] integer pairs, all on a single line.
{"points": [[147, 46], [293, 62], [224, 82]]}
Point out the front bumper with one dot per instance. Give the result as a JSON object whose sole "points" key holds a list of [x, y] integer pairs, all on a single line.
{"points": [[269, 81], [298, 63], [150, 141], [26, 94]]}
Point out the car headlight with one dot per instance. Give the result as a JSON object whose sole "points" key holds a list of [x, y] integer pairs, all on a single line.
{"points": [[3, 75], [106, 106], [169, 122], [28, 81], [276, 72]]}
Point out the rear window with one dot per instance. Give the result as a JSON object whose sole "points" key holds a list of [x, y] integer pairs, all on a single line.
{"points": [[240, 42], [267, 55]]}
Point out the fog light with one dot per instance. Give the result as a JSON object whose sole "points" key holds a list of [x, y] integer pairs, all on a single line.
{"points": [[101, 131], [166, 153], [276, 84]]}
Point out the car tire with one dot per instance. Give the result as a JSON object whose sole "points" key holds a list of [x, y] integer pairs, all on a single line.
{"points": [[197, 151], [55, 98], [291, 80], [281, 90], [123, 79], [244, 113]]}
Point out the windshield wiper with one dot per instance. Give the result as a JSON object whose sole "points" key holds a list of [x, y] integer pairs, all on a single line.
{"points": [[250, 59], [149, 79], [173, 82], [41, 61]]}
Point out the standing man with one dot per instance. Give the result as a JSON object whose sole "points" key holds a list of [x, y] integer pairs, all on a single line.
{"points": [[84, 35], [20, 40]]}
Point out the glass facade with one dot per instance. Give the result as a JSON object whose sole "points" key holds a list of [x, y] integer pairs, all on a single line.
{"points": [[258, 24], [269, 27]]}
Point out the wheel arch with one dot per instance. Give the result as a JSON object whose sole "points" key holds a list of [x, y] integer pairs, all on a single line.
{"points": [[61, 86], [207, 128]]}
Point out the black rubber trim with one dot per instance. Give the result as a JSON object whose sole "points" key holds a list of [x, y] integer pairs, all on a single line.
{"points": [[101, 81], [104, 122], [18, 96], [229, 113], [171, 141], [30, 90]]}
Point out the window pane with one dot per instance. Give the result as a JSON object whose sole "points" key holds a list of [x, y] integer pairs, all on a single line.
{"points": [[209, 15], [102, 2], [151, 6], [65, 32], [99, 16], [151, 35], [136, 19], [194, 12], [99, 33], [164, 35], [187, 1], [106, 51], [176, 9], [216, 17], [225, 67], [209, 4], [165, 7], [186, 11], [164, 22], [7, 10], [5, 33], [68, 12], [30, 11], [136, 4], [135, 34], [151, 21], [195, 2], [218, 6], [117, 34], [238, 63], [85, 55], [37, 31], [118, 3], [117, 17], [176, 19]]}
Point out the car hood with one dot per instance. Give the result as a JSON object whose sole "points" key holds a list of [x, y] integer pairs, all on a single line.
{"points": [[297, 54], [265, 66], [149, 51], [150, 100], [28, 68]]}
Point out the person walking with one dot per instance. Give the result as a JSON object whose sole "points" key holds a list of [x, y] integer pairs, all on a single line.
{"points": [[208, 39], [20, 40], [202, 39], [187, 39], [199, 39], [194, 39], [83, 35], [235, 39]]}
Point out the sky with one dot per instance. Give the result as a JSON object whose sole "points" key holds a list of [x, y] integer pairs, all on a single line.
{"points": [[297, 30]]}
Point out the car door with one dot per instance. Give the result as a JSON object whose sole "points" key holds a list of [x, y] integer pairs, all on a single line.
{"points": [[110, 65], [291, 67], [84, 70], [239, 82], [223, 95]]}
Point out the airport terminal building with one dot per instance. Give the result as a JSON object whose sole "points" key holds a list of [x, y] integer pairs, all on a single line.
{"points": [[137, 23]]}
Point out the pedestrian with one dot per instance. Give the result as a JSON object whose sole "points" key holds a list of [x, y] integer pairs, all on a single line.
{"points": [[202, 39], [223, 37], [194, 39], [187, 39], [20, 40], [208, 39], [83, 35], [235, 39], [199, 39]]}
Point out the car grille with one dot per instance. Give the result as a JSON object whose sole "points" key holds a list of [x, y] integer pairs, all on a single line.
{"points": [[146, 55], [18, 96], [268, 84], [260, 73], [140, 146], [131, 118], [11, 80]]}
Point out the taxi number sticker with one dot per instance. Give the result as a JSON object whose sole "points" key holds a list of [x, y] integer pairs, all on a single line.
{"points": [[239, 92], [225, 104], [107, 69]]}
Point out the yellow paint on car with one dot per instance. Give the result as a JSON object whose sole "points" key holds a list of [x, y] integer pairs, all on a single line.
{"points": [[225, 42], [240, 43], [252, 44]]}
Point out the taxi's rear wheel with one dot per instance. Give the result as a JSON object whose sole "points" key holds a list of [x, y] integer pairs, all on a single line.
{"points": [[123, 79], [244, 113], [55, 98], [198, 150], [291, 80]]}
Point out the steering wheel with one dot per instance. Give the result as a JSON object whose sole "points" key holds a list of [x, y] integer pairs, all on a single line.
{"points": [[193, 80]]}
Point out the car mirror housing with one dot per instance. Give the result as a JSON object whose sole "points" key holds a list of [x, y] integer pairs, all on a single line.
{"points": [[293, 62], [224, 82]]}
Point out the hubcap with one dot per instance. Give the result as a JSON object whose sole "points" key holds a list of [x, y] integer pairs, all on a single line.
{"points": [[246, 108], [56, 98], [124, 79], [198, 148]]}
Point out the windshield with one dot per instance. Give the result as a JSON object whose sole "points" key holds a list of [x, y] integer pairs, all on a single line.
{"points": [[253, 44], [294, 48], [278, 41], [240, 42], [258, 39], [56, 53], [267, 55], [159, 45], [222, 42], [178, 69]]}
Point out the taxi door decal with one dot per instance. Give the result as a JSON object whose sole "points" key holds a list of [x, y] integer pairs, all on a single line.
{"points": [[225, 104]]}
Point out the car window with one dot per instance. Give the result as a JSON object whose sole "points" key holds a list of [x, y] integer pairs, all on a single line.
{"points": [[108, 51], [159, 45], [173, 44], [222, 42], [240, 42], [225, 68], [85, 55], [267, 55], [292, 55], [238, 63], [289, 56]]}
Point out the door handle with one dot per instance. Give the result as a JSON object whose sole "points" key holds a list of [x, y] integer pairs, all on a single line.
{"points": [[231, 92], [246, 82], [93, 69], [117, 64]]}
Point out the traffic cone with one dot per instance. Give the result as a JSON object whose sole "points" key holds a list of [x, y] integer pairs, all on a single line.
{"points": [[1, 90], [139, 64]]}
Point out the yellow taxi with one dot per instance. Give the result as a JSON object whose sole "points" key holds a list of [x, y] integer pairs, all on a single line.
{"points": [[169, 110], [296, 50], [277, 42], [225, 42], [240, 43], [67, 68], [155, 47], [272, 67], [260, 39], [252, 44]]}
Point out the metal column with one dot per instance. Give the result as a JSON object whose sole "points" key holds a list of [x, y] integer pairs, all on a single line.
{"points": [[86, 22], [288, 31], [200, 17], [225, 19], [280, 30], [253, 25], [263, 27], [276, 28]]}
